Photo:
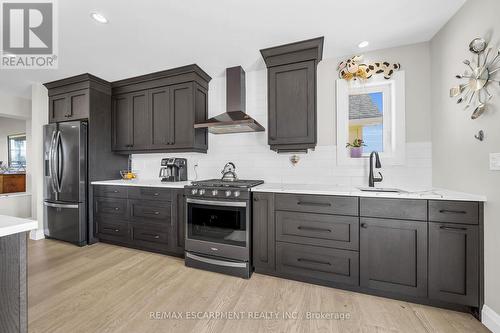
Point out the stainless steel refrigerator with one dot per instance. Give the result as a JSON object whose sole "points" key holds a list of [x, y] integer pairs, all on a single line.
{"points": [[65, 182]]}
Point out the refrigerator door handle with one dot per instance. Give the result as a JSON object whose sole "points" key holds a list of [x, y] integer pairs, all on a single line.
{"points": [[56, 205], [58, 153], [51, 162]]}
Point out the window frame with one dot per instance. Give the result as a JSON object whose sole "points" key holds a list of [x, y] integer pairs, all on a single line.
{"points": [[9, 137], [394, 122]]}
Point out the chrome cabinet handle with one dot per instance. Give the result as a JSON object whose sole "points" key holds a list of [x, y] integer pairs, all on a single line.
{"points": [[313, 229], [151, 235], [452, 228], [314, 261], [364, 225], [151, 213], [319, 204], [447, 211]]}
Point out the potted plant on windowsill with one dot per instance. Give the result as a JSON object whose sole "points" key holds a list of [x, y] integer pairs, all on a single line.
{"points": [[356, 147]]}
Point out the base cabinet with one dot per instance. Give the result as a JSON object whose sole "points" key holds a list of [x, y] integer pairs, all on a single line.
{"points": [[263, 224], [393, 256], [454, 263], [151, 219], [424, 251]]}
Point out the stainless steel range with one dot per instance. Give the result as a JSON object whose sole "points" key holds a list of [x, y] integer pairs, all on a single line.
{"points": [[218, 225]]}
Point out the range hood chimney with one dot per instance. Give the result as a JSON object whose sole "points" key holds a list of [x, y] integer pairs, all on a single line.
{"points": [[234, 120]]}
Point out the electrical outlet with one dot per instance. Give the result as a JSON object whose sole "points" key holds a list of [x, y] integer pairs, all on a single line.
{"points": [[495, 161]]}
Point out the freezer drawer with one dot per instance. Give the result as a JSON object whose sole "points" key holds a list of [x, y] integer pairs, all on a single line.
{"points": [[66, 222]]}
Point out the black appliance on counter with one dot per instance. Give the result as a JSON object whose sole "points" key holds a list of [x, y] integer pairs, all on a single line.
{"points": [[65, 181], [218, 226], [173, 170]]}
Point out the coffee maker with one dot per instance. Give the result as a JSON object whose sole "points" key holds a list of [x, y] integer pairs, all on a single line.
{"points": [[173, 170]]}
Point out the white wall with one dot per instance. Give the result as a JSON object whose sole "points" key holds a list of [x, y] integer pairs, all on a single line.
{"points": [[14, 107], [460, 162], [254, 159], [9, 126]]}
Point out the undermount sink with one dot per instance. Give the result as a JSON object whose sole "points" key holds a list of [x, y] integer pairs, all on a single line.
{"points": [[381, 189]]}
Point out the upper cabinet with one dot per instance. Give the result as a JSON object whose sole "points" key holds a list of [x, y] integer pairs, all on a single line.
{"points": [[292, 94], [157, 112], [69, 99]]}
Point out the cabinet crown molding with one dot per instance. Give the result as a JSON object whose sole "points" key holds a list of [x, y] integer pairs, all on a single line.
{"points": [[311, 49]]}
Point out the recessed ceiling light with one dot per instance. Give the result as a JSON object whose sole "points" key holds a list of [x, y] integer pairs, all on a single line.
{"points": [[363, 44], [99, 17]]}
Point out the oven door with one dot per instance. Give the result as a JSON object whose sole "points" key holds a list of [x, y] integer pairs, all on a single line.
{"points": [[218, 228]]}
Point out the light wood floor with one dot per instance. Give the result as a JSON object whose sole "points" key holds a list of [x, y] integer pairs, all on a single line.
{"points": [[105, 288]]}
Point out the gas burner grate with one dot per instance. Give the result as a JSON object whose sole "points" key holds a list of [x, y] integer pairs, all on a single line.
{"points": [[220, 183]]}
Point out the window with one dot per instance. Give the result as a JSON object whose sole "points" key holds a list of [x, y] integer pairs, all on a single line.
{"points": [[373, 111], [17, 151]]}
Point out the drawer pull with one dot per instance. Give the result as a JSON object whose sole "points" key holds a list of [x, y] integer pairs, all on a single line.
{"points": [[446, 211], [452, 228], [152, 235], [364, 225], [314, 261], [115, 191], [313, 229], [117, 208], [151, 213], [115, 230], [318, 204]]}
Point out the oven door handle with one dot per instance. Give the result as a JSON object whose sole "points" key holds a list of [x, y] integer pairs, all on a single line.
{"points": [[217, 203], [215, 261]]}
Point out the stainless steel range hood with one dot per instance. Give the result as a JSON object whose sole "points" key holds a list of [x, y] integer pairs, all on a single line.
{"points": [[235, 120]]}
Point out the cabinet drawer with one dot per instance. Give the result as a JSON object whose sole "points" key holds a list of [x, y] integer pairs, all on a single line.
{"points": [[110, 191], [454, 212], [113, 230], [317, 204], [158, 212], [406, 209], [150, 193], [111, 207], [151, 237], [317, 264], [318, 229]]}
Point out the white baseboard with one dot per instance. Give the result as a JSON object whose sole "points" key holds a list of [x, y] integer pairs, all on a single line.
{"points": [[490, 319], [37, 234]]}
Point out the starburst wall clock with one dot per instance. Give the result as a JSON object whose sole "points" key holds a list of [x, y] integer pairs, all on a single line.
{"points": [[479, 75]]}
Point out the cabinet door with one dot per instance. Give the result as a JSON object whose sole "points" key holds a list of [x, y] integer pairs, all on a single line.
{"points": [[393, 256], [159, 103], [454, 263], [122, 123], [178, 221], [58, 106], [78, 105], [141, 124], [181, 115], [292, 98], [263, 232]]}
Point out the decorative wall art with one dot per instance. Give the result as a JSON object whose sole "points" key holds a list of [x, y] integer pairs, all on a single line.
{"points": [[353, 69], [478, 74]]}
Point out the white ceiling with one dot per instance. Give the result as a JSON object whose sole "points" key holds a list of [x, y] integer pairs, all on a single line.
{"points": [[150, 35]]}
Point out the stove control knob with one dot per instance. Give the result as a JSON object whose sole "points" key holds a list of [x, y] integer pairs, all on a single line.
{"points": [[215, 192], [237, 193], [194, 191], [202, 191], [228, 193]]}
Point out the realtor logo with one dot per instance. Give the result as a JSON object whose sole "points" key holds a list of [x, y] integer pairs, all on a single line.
{"points": [[28, 34]]}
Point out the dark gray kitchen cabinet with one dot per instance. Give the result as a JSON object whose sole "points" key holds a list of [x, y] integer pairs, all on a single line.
{"points": [[157, 112], [292, 94], [147, 218], [393, 256], [161, 118], [454, 263], [73, 105], [264, 242]]}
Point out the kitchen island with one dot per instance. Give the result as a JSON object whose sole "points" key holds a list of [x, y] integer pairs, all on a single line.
{"points": [[13, 293]]}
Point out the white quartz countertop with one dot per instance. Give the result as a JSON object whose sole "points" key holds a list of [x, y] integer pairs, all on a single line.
{"points": [[142, 183], [13, 225], [320, 189]]}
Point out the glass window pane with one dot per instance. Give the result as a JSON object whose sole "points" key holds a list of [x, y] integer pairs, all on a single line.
{"points": [[366, 120], [17, 151]]}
